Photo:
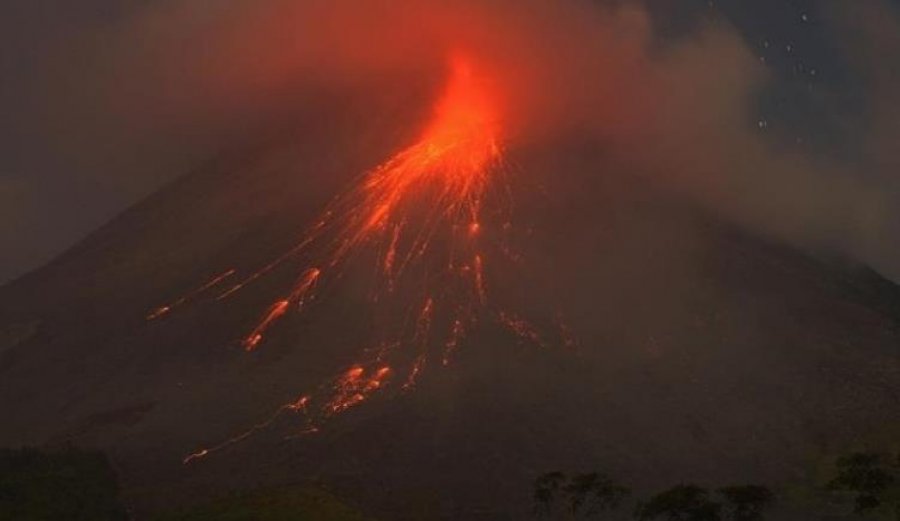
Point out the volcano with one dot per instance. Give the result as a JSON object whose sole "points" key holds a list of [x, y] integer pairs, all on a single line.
{"points": [[630, 331]]}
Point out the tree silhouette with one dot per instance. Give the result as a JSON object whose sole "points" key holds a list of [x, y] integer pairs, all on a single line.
{"points": [[680, 503], [869, 477], [747, 502], [546, 491], [66, 483], [594, 493]]}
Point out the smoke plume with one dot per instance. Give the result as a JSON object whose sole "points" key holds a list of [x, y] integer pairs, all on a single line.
{"points": [[123, 103]]}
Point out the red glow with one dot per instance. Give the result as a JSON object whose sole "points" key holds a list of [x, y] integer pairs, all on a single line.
{"points": [[277, 310], [420, 211], [355, 387], [521, 328], [165, 310]]}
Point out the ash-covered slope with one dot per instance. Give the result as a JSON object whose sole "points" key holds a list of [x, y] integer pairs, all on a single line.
{"points": [[704, 353]]}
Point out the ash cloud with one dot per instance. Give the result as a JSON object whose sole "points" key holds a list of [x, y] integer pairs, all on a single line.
{"points": [[120, 102]]}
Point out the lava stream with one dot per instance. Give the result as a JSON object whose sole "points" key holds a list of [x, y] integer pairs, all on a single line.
{"points": [[421, 214]]}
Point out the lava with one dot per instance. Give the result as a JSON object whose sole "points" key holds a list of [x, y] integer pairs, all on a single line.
{"points": [[521, 328], [457, 333], [422, 215], [449, 167], [355, 387], [479, 279], [298, 296], [166, 309]]}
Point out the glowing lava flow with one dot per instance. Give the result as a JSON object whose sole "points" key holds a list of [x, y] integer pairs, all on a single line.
{"points": [[168, 308], [420, 215], [302, 290], [441, 179]]}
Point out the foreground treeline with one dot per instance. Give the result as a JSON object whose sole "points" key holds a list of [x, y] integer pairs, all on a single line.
{"points": [[297, 503], [67, 484], [864, 486], [596, 496], [70, 484]]}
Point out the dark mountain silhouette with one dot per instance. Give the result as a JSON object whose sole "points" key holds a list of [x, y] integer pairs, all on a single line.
{"points": [[705, 353]]}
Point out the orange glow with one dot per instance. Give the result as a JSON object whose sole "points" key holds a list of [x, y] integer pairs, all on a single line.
{"points": [[464, 132], [479, 279], [391, 256], [414, 373], [298, 296], [354, 388], [197, 455], [300, 404], [447, 171], [159, 312], [450, 163], [521, 328], [424, 323], [456, 336], [275, 312], [165, 310], [304, 286], [418, 214]]}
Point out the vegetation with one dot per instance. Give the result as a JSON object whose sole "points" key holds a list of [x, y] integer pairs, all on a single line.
{"points": [[584, 496], [281, 504], [746, 503], [547, 488], [67, 484], [595, 496], [70, 484], [680, 503], [871, 482], [864, 485]]}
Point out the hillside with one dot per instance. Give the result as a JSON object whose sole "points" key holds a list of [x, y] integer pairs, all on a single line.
{"points": [[705, 353]]}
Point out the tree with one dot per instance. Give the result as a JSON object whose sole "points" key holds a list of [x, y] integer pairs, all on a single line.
{"points": [[594, 493], [680, 503], [584, 496], [50, 485], [869, 478], [546, 492], [747, 502]]}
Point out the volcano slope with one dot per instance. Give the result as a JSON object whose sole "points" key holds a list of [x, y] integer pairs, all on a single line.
{"points": [[704, 353]]}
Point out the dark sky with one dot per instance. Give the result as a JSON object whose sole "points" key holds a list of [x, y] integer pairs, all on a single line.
{"points": [[72, 155]]}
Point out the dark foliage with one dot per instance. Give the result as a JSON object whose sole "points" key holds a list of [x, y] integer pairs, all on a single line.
{"points": [[546, 492], [747, 502], [582, 496], [297, 503], [869, 478], [64, 485], [680, 503], [593, 493]]}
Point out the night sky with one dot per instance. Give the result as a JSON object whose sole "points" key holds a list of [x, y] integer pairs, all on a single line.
{"points": [[72, 157]]}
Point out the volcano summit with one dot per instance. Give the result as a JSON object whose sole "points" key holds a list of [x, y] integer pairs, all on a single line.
{"points": [[424, 286]]}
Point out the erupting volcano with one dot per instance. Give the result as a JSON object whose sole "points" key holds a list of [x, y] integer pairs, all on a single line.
{"points": [[448, 260], [431, 217]]}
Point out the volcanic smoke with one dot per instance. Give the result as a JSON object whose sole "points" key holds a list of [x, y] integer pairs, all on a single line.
{"points": [[422, 215]]}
